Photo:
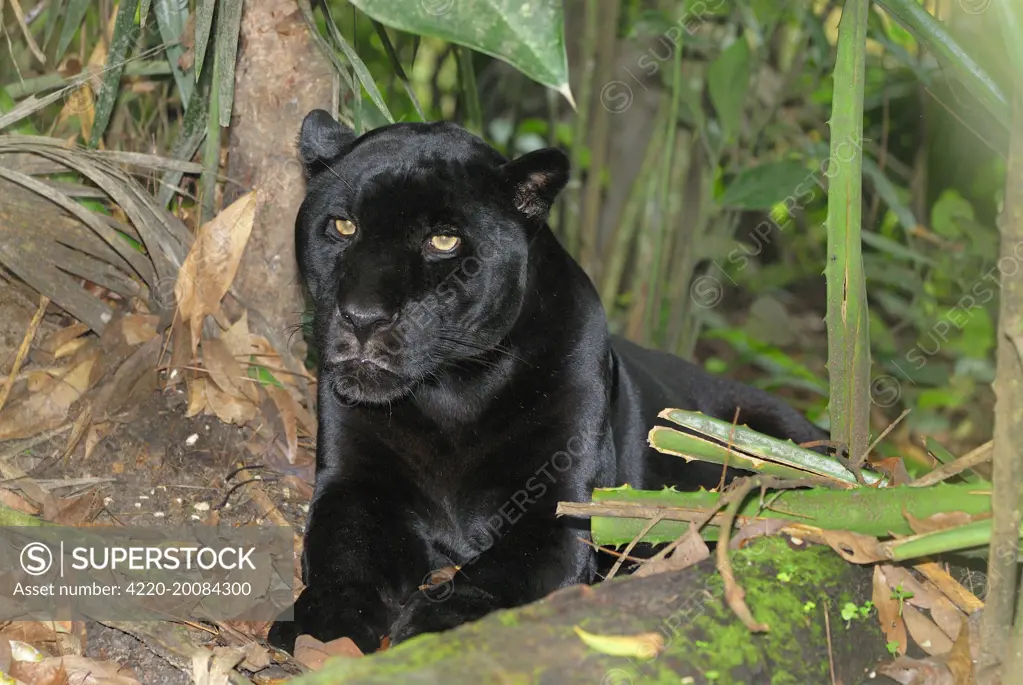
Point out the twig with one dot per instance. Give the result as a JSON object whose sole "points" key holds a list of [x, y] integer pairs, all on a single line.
{"points": [[632, 544], [950, 587], [977, 455], [827, 631], [608, 550], [734, 594], [26, 343], [885, 432], [728, 450]]}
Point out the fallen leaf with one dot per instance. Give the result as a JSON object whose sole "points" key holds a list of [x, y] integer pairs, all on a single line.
{"points": [[948, 617], [22, 651], [228, 408], [939, 521], [908, 671], [72, 670], [211, 264], [196, 396], [691, 551], [959, 659], [312, 653], [642, 646], [215, 667], [854, 547], [757, 528], [139, 328], [77, 511], [894, 468], [925, 632], [892, 625], [16, 502], [47, 405], [226, 372], [922, 596], [287, 409], [54, 341]]}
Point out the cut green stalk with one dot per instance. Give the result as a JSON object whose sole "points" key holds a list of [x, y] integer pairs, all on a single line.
{"points": [[211, 148], [786, 458], [958, 539], [848, 340], [879, 512]]}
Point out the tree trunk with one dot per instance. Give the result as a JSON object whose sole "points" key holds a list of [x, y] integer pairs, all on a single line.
{"points": [[281, 75], [537, 643]]}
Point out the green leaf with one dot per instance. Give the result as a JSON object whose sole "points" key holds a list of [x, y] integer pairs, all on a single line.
{"points": [[728, 81], [895, 249], [53, 14], [949, 214], [528, 35], [930, 33], [763, 186], [360, 69], [122, 39], [889, 193], [171, 17], [228, 26], [203, 25], [75, 17]]}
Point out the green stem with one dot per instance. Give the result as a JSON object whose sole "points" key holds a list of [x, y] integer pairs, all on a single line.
{"points": [[848, 340], [467, 77]]}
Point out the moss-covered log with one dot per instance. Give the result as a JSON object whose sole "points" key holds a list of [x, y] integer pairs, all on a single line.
{"points": [[788, 589]]}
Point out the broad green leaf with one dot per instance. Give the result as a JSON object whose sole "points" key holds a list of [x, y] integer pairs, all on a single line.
{"points": [[949, 213], [528, 35], [203, 25], [229, 24], [124, 36], [75, 17], [763, 186], [171, 17], [262, 374], [144, 13], [728, 81]]}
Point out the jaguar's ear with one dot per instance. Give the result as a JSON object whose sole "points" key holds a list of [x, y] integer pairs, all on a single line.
{"points": [[321, 140], [536, 179]]}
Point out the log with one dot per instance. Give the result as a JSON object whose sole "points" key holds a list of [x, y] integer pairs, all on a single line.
{"points": [[703, 640]]}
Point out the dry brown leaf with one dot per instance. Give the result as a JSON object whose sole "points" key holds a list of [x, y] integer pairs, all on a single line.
{"points": [[196, 396], [77, 511], [215, 667], [918, 672], [960, 659], [47, 404], [922, 596], [312, 653], [72, 670], [757, 528], [226, 372], [287, 409], [692, 551], [228, 408], [925, 632], [70, 347], [894, 468], [139, 328], [16, 502], [211, 264], [238, 339], [854, 547], [181, 354], [892, 625], [947, 616], [54, 341], [939, 521]]}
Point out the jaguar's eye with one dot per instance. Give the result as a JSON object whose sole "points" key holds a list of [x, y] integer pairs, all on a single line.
{"points": [[445, 243], [344, 226]]}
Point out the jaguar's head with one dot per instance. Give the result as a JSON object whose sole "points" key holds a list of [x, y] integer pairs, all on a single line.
{"points": [[413, 241]]}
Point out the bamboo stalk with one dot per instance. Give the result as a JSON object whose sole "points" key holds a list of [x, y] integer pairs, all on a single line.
{"points": [[848, 340]]}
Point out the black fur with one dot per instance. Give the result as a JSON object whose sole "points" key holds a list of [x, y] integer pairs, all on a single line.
{"points": [[462, 396]]}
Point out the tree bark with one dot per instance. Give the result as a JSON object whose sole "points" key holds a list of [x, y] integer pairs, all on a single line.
{"points": [[537, 643], [281, 75]]}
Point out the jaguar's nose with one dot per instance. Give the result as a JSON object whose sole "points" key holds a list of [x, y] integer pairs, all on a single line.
{"points": [[365, 319]]}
